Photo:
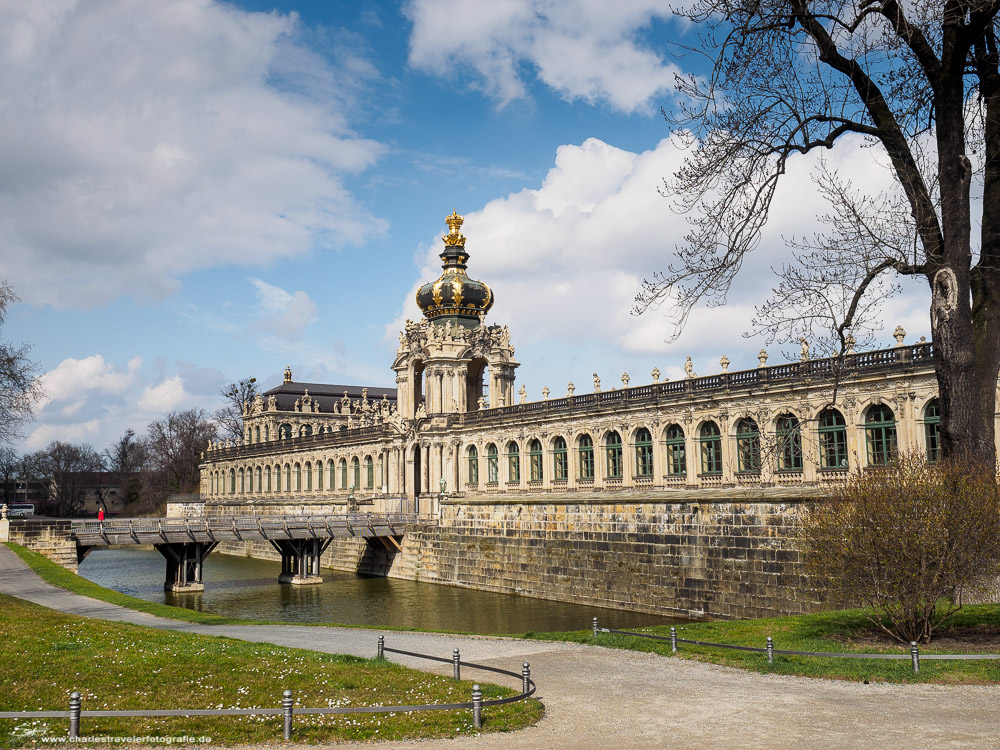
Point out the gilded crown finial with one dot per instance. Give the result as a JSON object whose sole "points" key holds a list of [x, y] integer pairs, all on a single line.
{"points": [[453, 238]]}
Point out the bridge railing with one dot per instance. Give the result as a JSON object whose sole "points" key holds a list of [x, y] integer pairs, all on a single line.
{"points": [[288, 710]]}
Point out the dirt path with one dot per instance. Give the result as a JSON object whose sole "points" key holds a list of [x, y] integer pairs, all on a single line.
{"points": [[603, 699]]}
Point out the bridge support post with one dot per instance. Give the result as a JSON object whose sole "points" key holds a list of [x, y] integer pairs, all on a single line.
{"points": [[185, 563], [300, 560]]}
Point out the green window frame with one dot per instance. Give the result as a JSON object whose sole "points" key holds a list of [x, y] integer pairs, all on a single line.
{"points": [[832, 440], [932, 430], [369, 473], [788, 433], [747, 446], [560, 459], [298, 477], [343, 473], [243, 482], [711, 449], [319, 475], [267, 477], [535, 461], [676, 450], [309, 475], [331, 468], [880, 435], [267, 433], [472, 456], [585, 448], [492, 464], [643, 453], [356, 472], [232, 481], [613, 454], [513, 463]]}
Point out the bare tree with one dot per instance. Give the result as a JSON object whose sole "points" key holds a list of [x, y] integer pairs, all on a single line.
{"points": [[69, 469], [19, 387], [175, 446], [10, 462], [916, 82], [126, 461], [239, 398]]}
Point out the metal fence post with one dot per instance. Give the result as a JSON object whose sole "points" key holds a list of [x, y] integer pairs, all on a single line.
{"points": [[286, 711], [595, 627], [673, 639], [456, 661], [915, 656], [477, 707], [74, 715], [381, 647], [525, 677], [770, 650]]}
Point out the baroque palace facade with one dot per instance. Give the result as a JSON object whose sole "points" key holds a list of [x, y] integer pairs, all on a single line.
{"points": [[455, 426]]}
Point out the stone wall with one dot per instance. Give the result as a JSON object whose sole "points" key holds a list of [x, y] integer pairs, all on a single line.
{"points": [[719, 558], [49, 537]]}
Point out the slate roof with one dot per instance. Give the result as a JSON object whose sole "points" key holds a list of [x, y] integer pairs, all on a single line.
{"points": [[325, 394]]}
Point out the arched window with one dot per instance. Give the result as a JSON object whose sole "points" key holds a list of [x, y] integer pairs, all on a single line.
{"points": [[285, 431], [643, 453], [472, 456], [747, 446], [535, 461], [267, 477], [331, 467], [369, 473], [343, 473], [356, 472], [232, 481], [267, 433], [309, 475], [260, 485], [513, 463], [277, 479], [613, 453], [788, 433], [256, 434], [243, 484], [832, 440], [288, 477], [492, 464], [585, 448], [880, 435], [711, 448], [305, 430], [319, 476], [932, 430], [676, 451], [560, 459], [298, 477]]}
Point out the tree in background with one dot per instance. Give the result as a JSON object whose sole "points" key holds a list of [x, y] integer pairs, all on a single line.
{"points": [[69, 470], [918, 83], [907, 540], [175, 444], [127, 461], [19, 388], [10, 464], [239, 397]]}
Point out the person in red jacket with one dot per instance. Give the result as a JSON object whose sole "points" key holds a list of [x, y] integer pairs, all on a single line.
{"points": [[100, 515]]}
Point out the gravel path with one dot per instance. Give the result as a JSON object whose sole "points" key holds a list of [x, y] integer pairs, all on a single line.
{"points": [[603, 699]]}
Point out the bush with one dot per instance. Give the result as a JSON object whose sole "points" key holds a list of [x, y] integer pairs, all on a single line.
{"points": [[907, 540]]}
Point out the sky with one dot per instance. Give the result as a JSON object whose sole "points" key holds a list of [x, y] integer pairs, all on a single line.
{"points": [[195, 192]]}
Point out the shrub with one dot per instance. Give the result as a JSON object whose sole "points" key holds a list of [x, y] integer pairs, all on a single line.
{"points": [[907, 540]]}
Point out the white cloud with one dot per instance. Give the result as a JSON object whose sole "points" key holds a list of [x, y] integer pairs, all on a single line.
{"points": [[75, 377], [284, 316], [583, 49], [141, 141], [566, 260], [164, 397]]}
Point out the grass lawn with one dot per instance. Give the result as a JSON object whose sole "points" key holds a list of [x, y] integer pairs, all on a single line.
{"points": [[46, 655], [841, 631]]}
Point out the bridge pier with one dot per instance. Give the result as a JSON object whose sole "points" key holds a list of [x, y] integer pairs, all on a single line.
{"points": [[300, 560], [185, 562]]}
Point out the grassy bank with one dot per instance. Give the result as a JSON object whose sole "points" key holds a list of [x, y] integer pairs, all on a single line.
{"points": [[46, 655], [975, 629]]}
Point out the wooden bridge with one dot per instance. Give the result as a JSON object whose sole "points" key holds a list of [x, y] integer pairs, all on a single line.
{"points": [[186, 542]]}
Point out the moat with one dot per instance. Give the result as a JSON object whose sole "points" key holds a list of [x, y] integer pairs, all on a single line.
{"points": [[248, 588]]}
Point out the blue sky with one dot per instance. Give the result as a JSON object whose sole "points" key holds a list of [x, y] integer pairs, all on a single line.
{"points": [[196, 192]]}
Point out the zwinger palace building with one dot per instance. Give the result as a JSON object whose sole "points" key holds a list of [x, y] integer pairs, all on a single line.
{"points": [[455, 426]]}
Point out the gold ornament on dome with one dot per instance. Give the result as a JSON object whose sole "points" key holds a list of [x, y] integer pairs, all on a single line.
{"points": [[453, 238], [456, 288], [438, 298]]}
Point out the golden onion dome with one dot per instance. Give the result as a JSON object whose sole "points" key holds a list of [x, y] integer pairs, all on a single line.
{"points": [[454, 296]]}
